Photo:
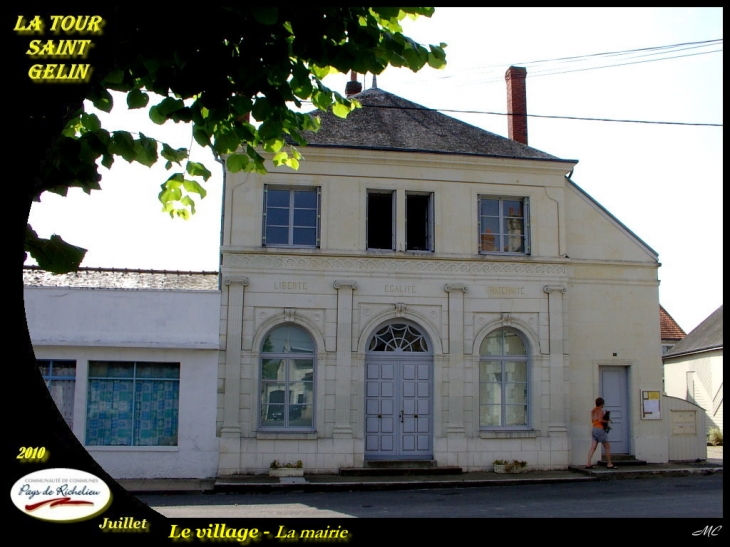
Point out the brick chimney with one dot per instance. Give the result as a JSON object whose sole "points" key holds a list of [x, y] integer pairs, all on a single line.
{"points": [[516, 103], [353, 87]]}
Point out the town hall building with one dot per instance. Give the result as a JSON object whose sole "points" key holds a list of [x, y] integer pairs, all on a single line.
{"points": [[420, 290]]}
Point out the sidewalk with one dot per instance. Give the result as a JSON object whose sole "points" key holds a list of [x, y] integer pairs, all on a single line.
{"points": [[333, 483]]}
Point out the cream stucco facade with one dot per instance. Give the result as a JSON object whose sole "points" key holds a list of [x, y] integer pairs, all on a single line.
{"points": [[582, 300]]}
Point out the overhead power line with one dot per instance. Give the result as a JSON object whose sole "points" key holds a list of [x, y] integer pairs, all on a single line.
{"points": [[702, 43], [580, 118], [559, 65]]}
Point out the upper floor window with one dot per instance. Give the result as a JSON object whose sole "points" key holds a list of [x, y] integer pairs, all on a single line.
{"points": [[291, 217], [381, 220], [419, 222], [132, 404], [287, 379], [60, 378], [504, 225], [503, 381]]}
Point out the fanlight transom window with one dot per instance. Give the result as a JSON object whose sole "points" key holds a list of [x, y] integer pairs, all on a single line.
{"points": [[398, 337]]}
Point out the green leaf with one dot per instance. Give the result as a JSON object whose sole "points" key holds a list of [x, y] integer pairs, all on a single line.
{"points": [[197, 170], [293, 163], [201, 136], [54, 254], [340, 110], [73, 127], [237, 162], [226, 144], [137, 99], [90, 121], [194, 187], [241, 105], [321, 72], [274, 145], [184, 115], [265, 16], [122, 144], [280, 158], [261, 109], [188, 201], [163, 110], [156, 115], [170, 193], [116, 76], [437, 56], [270, 130], [146, 150], [321, 99], [173, 155], [102, 99]]}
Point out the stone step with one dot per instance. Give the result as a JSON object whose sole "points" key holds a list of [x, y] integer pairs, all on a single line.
{"points": [[399, 469], [623, 460], [380, 464]]}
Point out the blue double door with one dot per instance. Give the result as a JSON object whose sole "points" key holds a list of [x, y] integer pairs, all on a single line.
{"points": [[398, 407]]}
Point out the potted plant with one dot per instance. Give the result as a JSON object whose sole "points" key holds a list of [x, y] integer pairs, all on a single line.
{"points": [[287, 470], [514, 466]]}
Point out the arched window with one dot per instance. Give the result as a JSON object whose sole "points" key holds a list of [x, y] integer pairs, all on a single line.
{"points": [[287, 379], [503, 381], [398, 337]]}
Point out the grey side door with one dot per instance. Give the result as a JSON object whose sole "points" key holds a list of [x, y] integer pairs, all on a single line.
{"points": [[614, 390]]}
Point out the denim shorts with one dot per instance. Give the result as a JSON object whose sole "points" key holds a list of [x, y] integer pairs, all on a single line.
{"points": [[599, 435]]}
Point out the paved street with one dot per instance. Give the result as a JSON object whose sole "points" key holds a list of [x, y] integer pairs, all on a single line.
{"points": [[665, 497]]}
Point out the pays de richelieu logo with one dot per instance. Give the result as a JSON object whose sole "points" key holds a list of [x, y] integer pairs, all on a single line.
{"points": [[62, 495]]}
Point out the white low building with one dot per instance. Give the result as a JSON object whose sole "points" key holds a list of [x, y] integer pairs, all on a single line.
{"points": [[131, 364], [693, 369]]}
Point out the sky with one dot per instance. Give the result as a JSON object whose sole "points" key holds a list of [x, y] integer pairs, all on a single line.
{"points": [[661, 180]]}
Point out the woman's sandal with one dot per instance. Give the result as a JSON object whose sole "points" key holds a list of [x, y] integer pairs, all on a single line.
{"points": [[611, 466]]}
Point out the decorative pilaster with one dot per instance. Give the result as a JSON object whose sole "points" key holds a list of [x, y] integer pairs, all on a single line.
{"points": [[557, 425], [454, 375], [234, 325], [342, 428]]}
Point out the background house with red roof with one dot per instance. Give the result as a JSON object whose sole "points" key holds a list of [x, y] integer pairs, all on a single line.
{"points": [[693, 368]]}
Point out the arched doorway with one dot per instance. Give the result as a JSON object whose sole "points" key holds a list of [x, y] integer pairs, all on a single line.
{"points": [[399, 394]]}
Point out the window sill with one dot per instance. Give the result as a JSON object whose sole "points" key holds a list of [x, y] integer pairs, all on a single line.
{"points": [[286, 435], [509, 434]]}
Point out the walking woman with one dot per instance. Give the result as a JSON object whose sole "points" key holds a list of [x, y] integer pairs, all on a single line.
{"points": [[599, 435]]}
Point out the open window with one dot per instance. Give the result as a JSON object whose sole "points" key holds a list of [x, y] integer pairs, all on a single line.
{"points": [[419, 222], [381, 220]]}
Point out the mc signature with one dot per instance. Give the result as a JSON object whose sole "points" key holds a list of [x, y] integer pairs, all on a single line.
{"points": [[708, 531]]}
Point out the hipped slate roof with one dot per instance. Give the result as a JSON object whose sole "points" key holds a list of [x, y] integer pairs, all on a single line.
{"points": [[389, 122], [706, 337], [670, 329]]}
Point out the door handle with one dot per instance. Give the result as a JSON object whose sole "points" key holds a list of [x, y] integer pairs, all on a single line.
{"points": [[401, 416]]}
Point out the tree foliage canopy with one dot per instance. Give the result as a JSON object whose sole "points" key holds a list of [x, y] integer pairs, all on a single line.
{"points": [[233, 73]]}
